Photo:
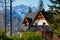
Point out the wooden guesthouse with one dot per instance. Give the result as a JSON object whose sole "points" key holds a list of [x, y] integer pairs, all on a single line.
{"points": [[35, 21]]}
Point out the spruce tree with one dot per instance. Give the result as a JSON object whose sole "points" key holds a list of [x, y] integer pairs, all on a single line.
{"points": [[29, 10], [55, 3], [40, 5]]}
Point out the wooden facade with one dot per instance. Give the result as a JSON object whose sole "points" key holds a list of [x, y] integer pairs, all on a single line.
{"points": [[40, 19], [25, 21], [39, 16]]}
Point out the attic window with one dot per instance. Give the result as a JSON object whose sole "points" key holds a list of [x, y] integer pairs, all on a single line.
{"points": [[40, 17]]}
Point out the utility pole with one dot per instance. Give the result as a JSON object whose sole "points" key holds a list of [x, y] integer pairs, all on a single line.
{"points": [[10, 17], [5, 16]]}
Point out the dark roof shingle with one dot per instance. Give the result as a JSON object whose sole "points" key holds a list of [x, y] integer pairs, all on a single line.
{"points": [[31, 15]]}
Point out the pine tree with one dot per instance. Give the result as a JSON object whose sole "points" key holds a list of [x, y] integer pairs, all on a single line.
{"points": [[40, 5], [55, 2], [29, 10], [56, 16]]}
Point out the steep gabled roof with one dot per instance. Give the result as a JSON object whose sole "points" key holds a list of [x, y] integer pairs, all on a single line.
{"points": [[31, 15], [36, 16]]}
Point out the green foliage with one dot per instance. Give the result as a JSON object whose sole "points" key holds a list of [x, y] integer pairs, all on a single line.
{"points": [[28, 35], [59, 33], [57, 2], [14, 37], [31, 36], [3, 35], [50, 17], [54, 17], [54, 21]]}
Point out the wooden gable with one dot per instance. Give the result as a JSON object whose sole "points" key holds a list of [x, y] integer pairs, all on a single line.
{"points": [[25, 21], [39, 16], [40, 19]]}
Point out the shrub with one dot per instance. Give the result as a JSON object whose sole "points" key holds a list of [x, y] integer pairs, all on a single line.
{"points": [[58, 34], [3, 35], [27, 35], [31, 36], [14, 37]]}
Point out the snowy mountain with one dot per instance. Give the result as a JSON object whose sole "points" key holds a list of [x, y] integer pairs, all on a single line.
{"points": [[18, 13], [23, 9], [14, 16]]}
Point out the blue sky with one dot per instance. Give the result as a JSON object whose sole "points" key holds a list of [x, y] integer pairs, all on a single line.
{"points": [[31, 3]]}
